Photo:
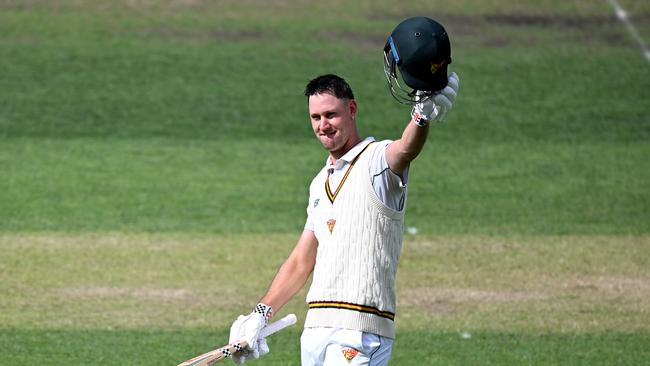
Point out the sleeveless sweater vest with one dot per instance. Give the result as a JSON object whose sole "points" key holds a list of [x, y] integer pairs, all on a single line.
{"points": [[359, 243]]}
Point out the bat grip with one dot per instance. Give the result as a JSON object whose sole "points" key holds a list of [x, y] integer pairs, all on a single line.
{"points": [[278, 325]]}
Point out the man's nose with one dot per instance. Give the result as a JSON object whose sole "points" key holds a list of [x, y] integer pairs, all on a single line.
{"points": [[324, 124]]}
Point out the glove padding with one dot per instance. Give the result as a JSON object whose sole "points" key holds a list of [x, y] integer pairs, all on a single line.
{"points": [[434, 108], [247, 328]]}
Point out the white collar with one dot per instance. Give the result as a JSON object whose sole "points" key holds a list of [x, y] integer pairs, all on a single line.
{"points": [[351, 154]]}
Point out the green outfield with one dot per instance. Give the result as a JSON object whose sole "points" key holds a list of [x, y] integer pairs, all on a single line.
{"points": [[155, 158]]}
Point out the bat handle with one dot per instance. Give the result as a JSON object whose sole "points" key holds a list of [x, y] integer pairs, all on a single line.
{"points": [[278, 325]]}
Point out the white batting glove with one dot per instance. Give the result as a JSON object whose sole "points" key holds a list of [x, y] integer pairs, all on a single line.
{"points": [[247, 328], [434, 108]]}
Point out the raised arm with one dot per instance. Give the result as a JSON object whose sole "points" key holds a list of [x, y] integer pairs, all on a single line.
{"points": [[400, 153], [428, 109]]}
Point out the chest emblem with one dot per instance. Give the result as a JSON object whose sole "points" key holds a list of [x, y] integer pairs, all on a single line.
{"points": [[349, 353], [316, 201], [330, 224]]}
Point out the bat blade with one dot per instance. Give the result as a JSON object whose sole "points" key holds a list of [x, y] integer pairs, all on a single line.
{"points": [[207, 358], [214, 356]]}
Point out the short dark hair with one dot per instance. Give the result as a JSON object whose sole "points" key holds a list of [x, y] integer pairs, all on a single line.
{"points": [[330, 84]]}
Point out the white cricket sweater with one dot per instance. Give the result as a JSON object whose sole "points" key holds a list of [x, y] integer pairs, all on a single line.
{"points": [[359, 243]]}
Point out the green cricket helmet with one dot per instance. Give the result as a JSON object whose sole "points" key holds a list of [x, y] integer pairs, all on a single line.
{"points": [[419, 47]]}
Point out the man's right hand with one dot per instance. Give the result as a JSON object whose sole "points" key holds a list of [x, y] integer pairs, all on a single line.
{"points": [[247, 328]]}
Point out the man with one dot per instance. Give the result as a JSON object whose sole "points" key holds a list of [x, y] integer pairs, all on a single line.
{"points": [[353, 234]]}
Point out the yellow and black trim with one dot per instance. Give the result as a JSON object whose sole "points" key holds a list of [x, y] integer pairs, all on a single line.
{"points": [[328, 190], [349, 306]]}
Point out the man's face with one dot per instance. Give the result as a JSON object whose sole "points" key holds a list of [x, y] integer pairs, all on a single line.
{"points": [[333, 122]]}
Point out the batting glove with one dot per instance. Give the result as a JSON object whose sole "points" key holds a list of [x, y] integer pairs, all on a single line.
{"points": [[434, 108], [247, 328]]}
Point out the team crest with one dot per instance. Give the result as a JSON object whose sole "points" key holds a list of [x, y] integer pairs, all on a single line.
{"points": [[349, 353], [330, 224], [435, 67]]}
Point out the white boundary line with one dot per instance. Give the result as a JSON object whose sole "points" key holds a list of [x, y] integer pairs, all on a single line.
{"points": [[621, 14]]}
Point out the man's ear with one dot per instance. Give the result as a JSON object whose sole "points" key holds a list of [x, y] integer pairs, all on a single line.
{"points": [[353, 108]]}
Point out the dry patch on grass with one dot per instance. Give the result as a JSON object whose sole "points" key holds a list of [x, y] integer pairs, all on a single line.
{"points": [[489, 30], [155, 294], [497, 30], [360, 41], [113, 241], [437, 302], [180, 296], [196, 36], [132, 280], [564, 283], [612, 285], [576, 304], [431, 296]]}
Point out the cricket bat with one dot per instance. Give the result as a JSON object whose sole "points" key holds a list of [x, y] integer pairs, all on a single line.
{"points": [[214, 356]]}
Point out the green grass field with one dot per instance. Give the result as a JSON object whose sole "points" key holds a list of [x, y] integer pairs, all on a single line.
{"points": [[155, 158]]}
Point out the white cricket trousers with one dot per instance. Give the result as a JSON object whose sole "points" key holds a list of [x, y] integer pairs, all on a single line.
{"points": [[343, 347]]}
